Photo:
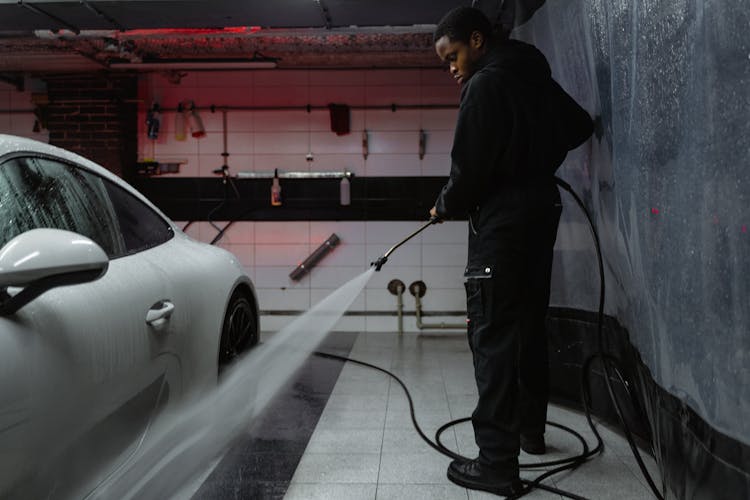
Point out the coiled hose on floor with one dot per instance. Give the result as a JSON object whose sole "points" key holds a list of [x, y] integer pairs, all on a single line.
{"points": [[607, 361]]}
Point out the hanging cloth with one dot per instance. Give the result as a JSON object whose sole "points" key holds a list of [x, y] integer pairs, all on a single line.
{"points": [[339, 118]]}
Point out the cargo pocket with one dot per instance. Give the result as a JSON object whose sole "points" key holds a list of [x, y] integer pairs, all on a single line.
{"points": [[474, 301]]}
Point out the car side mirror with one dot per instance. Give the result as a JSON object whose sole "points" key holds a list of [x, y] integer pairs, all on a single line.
{"points": [[42, 259]]}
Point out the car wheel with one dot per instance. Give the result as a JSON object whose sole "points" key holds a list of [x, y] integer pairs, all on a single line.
{"points": [[239, 331]]}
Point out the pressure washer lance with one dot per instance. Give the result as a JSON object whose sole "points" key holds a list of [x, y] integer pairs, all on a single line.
{"points": [[382, 260]]}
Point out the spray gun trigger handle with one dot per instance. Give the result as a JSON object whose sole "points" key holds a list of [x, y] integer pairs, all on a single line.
{"points": [[379, 262]]}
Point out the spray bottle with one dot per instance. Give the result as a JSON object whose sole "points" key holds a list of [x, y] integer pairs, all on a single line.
{"points": [[276, 189]]}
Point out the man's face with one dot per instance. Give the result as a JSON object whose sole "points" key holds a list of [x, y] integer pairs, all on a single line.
{"points": [[460, 56]]}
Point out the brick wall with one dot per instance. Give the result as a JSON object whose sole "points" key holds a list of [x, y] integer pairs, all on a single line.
{"points": [[95, 117]]}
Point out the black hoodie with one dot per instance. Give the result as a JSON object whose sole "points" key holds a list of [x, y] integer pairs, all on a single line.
{"points": [[515, 126]]}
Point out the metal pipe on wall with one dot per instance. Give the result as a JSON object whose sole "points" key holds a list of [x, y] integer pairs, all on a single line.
{"points": [[418, 289]]}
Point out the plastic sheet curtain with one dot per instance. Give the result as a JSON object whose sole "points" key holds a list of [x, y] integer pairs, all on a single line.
{"points": [[667, 179]]}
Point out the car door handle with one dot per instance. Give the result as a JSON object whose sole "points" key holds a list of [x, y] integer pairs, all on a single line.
{"points": [[159, 313]]}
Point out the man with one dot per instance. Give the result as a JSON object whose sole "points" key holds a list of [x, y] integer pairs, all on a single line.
{"points": [[515, 126]]}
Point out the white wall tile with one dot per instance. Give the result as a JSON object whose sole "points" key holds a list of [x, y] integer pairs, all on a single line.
{"points": [[296, 162], [389, 77], [281, 96], [239, 232], [323, 96], [275, 299], [282, 121], [328, 143], [345, 254], [386, 165], [402, 119], [277, 277], [166, 145], [446, 232], [238, 143], [320, 121], [241, 121], [282, 232], [280, 255], [390, 232], [219, 95], [318, 294], [406, 255], [394, 142], [349, 232], [444, 254], [441, 94], [333, 277], [443, 276], [387, 95], [406, 274], [439, 142], [282, 142], [439, 119], [211, 144], [444, 299], [432, 77], [436, 165]]}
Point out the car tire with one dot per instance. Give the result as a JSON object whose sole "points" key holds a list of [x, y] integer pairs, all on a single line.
{"points": [[239, 331]]}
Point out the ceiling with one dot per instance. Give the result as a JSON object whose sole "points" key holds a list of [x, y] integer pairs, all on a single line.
{"points": [[72, 36]]}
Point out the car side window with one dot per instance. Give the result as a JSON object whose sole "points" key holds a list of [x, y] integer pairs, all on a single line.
{"points": [[141, 227], [39, 192]]}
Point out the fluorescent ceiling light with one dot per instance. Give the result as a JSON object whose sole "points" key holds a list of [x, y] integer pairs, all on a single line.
{"points": [[177, 65]]}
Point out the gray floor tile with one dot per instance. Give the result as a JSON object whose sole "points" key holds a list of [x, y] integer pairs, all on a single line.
{"points": [[361, 386], [407, 440], [413, 468], [429, 421], [439, 373], [429, 398], [421, 492], [362, 402], [348, 418], [303, 491], [328, 468], [345, 441], [537, 494]]}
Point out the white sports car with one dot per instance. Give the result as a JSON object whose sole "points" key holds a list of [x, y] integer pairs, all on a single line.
{"points": [[108, 314]]}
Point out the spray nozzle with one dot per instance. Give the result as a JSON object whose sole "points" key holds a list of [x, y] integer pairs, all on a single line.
{"points": [[379, 262]]}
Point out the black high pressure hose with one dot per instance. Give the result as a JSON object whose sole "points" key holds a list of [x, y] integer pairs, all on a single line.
{"points": [[569, 463]]}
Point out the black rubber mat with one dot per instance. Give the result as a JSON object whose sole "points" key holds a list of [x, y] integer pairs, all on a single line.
{"points": [[261, 463]]}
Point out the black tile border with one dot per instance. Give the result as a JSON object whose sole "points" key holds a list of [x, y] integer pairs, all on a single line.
{"points": [[260, 464], [372, 198], [696, 460]]}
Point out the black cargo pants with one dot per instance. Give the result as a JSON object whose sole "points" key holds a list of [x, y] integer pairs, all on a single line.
{"points": [[506, 332]]}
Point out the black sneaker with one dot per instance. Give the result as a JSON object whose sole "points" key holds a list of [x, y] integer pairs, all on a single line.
{"points": [[533, 444], [471, 474]]}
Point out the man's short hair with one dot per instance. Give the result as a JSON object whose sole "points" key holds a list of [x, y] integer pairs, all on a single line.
{"points": [[460, 23]]}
